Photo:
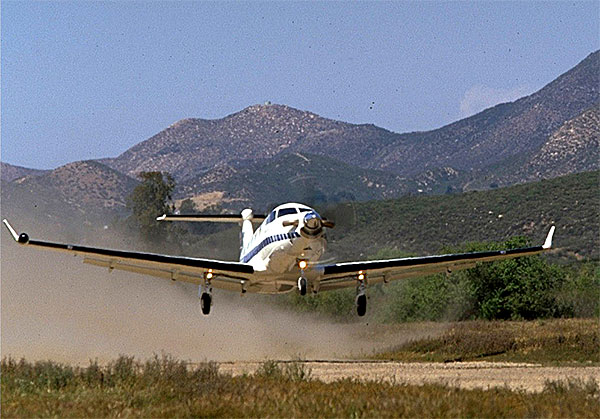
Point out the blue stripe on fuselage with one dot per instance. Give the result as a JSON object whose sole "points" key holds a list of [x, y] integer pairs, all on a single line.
{"points": [[267, 241]]}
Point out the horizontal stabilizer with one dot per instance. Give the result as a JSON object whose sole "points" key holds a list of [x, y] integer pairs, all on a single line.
{"points": [[218, 218]]}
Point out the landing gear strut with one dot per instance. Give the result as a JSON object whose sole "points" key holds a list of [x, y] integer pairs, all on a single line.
{"points": [[361, 299]]}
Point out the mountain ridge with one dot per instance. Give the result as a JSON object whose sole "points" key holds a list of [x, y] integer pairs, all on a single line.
{"points": [[192, 146]]}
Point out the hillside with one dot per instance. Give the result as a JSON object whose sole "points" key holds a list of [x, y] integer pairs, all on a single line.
{"points": [[497, 137], [574, 147], [307, 178], [427, 224]]}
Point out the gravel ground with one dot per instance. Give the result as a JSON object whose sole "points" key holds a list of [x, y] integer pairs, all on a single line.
{"points": [[528, 377]]}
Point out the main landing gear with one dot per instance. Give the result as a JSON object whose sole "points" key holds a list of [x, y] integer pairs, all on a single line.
{"points": [[205, 302], [361, 298]]}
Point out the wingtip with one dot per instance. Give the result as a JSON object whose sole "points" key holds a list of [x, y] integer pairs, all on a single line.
{"points": [[548, 242], [11, 230], [22, 238], [161, 218]]}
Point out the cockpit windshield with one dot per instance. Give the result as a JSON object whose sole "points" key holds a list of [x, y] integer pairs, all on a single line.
{"points": [[286, 211]]}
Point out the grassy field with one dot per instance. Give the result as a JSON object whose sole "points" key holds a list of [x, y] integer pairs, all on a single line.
{"points": [[552, 341], [164, 387]]}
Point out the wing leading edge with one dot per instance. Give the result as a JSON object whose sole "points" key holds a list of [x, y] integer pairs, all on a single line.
{"points": [[342, 275], [225, 274]]}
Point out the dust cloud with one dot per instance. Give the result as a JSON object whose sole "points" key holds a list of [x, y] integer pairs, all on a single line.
{"points": [[55, 307]]}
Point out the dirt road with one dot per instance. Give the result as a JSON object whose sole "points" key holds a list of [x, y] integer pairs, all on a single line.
{"points": [[529, 377]]}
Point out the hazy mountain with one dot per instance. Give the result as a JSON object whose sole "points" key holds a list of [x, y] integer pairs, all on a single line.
{"points": [[85, 190], [9, 172]]}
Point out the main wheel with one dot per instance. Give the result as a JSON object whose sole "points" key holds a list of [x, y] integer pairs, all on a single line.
{"points": [[205, 302], [302, 286], [361, 304]]}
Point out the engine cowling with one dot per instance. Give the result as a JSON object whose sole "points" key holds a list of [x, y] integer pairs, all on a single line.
{"points": [[312, 224]]}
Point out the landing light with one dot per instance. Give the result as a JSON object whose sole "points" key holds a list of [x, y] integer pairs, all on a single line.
{"points": [[209, 274], [361, 275], [302, 264]]}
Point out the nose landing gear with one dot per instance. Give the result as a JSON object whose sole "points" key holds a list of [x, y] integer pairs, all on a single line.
{"points": [[302, 285]]}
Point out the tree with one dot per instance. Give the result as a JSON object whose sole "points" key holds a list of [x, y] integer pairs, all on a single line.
{"points": [[521, 288], [150, 199]]}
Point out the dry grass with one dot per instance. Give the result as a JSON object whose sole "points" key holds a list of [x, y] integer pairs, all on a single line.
{"points": [[164, 387], [556, 341]]}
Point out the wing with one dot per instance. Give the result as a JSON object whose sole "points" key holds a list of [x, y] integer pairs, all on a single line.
{"points": [[343, 275], [226, 275]]}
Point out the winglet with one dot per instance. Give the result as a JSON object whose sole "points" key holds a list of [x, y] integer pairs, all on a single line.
{"points": [[19, 238], [161, 218], [548, 242]]}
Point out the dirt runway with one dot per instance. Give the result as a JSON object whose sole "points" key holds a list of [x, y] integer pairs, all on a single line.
{"points": [[528, 377]]}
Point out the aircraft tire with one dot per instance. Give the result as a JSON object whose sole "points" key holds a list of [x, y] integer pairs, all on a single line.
{"points": [[361, 305], [205, 303], [302, 286]]}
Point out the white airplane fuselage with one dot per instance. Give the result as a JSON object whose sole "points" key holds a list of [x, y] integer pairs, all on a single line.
{"points": [[291, 237]]}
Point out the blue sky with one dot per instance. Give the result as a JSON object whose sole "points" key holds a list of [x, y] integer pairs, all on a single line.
{"points": [[85, 80]]}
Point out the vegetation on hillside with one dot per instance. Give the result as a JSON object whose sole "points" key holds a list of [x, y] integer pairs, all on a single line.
{"points": [[165, 387], [428, 224]]}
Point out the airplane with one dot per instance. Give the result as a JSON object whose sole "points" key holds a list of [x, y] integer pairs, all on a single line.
{"points": [[281, 255]]}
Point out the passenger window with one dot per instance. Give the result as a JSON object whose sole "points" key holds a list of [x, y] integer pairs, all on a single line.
{"points": [[286, 211]]}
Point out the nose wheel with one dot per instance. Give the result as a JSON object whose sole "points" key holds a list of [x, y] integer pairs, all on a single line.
{"points": [[302, 285], [361, 304]]}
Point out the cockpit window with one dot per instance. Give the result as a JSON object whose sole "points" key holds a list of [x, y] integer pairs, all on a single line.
{"points": [[286, 211], [271, 217], [304, 209]]}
